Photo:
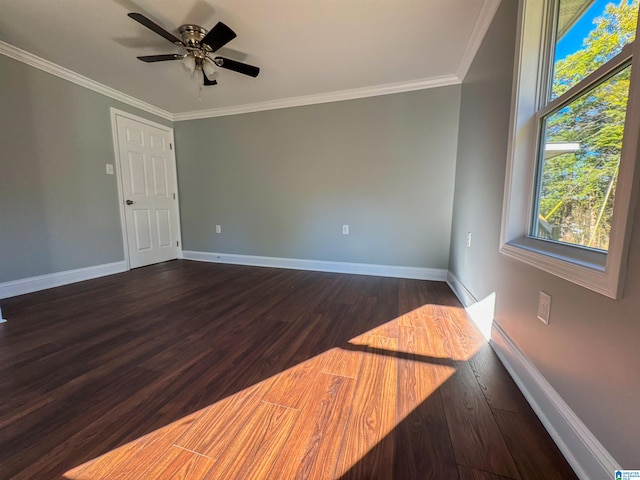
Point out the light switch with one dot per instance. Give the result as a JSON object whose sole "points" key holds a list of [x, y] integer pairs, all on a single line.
{"points": [[109, 169]]}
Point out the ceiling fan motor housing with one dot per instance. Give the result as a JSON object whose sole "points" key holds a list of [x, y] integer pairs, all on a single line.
{"points": [[192, 36]]}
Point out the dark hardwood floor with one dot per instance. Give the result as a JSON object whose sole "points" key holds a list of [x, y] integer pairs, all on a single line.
{"points": [[195, 370]]}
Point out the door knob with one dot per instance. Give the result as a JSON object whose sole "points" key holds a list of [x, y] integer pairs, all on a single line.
{"points": [[129, 202]]}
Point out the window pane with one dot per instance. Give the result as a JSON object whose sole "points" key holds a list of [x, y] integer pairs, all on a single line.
{"points": [[589, 33], [579, 168]]}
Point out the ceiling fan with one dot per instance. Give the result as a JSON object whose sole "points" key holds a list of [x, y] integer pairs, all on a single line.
{"points": [[199, 46]]}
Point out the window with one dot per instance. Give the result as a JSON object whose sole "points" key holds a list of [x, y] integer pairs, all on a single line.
{"points": [[574, 140]]}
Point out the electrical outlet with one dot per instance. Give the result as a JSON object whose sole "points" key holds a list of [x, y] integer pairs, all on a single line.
{"points": [[345, 229], [218, 229], [544, 307], [468, 239], [109, 168]]}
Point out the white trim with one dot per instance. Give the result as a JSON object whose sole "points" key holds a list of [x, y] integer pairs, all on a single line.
{"points": [[419, 273], [586, 455], [114, 111], [116, 152], [483, 22], [465, 296], [565, 261], [481, 312], [583, 275], [337, 96], [42, 282], [73, 77]]}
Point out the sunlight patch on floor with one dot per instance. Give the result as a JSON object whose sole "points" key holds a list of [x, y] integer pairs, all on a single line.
{"points": [[392, 370]]}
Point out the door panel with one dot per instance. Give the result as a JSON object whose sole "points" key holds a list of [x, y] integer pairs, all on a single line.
{"points": [[142, 226], [157, 142], [135, 136], [160, 177], [137, 175], [163, 220], [148, 174]]}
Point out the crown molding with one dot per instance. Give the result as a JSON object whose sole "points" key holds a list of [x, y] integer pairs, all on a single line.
{"points": [[483, 22], [49, 67], [337, 96]]}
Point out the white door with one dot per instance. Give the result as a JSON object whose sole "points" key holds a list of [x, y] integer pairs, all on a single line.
{"points": [[147, 170]]}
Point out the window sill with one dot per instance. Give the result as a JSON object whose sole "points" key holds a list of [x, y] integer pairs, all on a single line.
{"points": [[591, 275]]}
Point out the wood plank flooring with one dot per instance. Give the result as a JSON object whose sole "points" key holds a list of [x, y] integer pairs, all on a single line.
{"points": [[188, 370]]}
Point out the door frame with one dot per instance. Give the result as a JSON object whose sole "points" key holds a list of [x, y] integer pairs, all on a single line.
{"points": [[115, 113]]}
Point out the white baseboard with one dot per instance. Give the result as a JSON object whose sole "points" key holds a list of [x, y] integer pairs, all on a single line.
{"points": [[586, 455], [419, 273], [482, 312], [42, 282], [465, 296]]}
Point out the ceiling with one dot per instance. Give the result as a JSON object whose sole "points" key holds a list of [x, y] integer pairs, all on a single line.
{"points": [[309, 51]]}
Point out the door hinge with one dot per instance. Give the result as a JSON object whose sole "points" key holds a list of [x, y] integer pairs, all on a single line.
{"points": [[170, 146], [177, 243], [174, 196]]}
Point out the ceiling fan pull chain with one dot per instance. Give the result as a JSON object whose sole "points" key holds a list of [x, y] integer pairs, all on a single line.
{"points": [[200, 80]]}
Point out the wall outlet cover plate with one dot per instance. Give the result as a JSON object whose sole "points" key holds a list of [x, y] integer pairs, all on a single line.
{"points": [[544, 307]]}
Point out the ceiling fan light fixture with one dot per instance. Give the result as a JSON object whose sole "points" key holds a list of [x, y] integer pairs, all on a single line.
{"points": [[189, 63], [210, 70]]}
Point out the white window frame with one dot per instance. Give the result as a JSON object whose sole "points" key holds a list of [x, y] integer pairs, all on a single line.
{"points": [[597, 271]]}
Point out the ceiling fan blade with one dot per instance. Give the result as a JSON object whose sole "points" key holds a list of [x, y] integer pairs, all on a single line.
{"points": [[138, 17], [161, 58], [239, 67], [218, 36], [207, 81]]}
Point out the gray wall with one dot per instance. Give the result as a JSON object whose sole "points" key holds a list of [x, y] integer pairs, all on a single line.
{"points": [[58, 208], [282, 183], [589, 352]]}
